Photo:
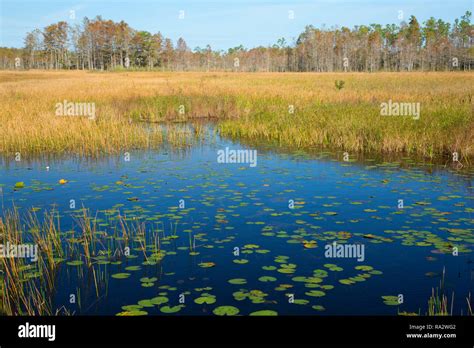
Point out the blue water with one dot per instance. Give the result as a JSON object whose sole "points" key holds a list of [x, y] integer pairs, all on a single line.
{"points": [[230, 205]]}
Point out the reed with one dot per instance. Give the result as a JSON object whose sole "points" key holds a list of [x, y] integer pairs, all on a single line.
{"points": [[439, 304], [247, 106], [27, 287]]}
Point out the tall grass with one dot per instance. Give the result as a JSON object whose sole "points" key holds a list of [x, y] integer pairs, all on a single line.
{"points": [[24, 293], [28, 287], [439, 304], [247, 106]]}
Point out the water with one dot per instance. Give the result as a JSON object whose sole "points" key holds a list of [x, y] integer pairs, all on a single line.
{"points": [[229, 206]]}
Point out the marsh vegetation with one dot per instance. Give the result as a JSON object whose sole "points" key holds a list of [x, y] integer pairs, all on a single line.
{"points": [[300, 111]]}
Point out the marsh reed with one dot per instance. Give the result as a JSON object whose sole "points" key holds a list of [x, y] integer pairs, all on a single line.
{"points": [[28, 287], [246, 106]]}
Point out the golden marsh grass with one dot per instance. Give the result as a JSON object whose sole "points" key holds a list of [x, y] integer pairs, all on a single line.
{"points": [[248, 106]]}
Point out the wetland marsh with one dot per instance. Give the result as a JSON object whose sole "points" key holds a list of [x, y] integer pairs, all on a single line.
{"points": [[134, 214]]}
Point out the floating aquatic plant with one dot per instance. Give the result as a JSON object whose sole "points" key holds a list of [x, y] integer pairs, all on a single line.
{"points": [[226, 310]]}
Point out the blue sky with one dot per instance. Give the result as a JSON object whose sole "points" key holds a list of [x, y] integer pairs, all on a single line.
{"points": [[222, 24]]}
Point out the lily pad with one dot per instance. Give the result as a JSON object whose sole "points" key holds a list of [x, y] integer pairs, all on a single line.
{"points": [[315, 293], [120, 275], [169, 310], [205, 300], [318, 308], [267, 279], [240, 261], [207, 264], [225, 310], [238, 281], [265, 313], [132, 313], [390, 300], [145, 303], [159, 300], [75, 263]]}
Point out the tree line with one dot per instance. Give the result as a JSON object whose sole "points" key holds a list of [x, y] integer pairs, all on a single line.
{"points": [[99, 44]]}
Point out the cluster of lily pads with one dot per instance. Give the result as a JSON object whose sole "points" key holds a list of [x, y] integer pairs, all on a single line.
{"points": [[224, 209]]}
